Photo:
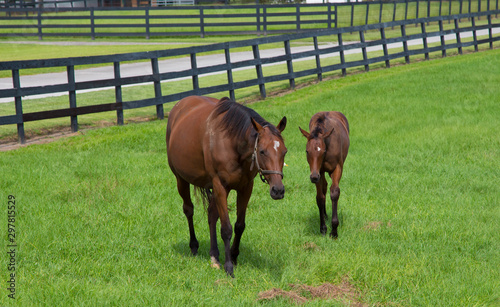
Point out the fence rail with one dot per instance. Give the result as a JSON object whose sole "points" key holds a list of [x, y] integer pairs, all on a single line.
{"points": [[18, 91], [222, 20]]}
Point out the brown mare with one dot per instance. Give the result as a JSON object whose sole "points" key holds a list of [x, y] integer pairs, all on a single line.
{"points": [[327, 147], [219, 146]]}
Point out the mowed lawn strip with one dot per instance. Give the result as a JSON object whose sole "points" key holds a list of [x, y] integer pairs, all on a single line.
{"points": [[99, 220]]}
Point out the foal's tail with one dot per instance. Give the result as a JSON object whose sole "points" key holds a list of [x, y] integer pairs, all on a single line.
{"points": [[206, 196]]}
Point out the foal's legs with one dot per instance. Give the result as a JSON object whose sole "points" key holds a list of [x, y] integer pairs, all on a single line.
{"points": [[335, 194], [241, 204], [188, 208], [320, 201], [226, 230]]}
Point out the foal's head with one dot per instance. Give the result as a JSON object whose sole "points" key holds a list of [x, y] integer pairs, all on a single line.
{"points": [[316, 150], [270, 151]]}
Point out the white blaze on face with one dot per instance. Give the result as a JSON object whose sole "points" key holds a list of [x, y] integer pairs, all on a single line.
{"points": [[319, 149], [276, 145]]}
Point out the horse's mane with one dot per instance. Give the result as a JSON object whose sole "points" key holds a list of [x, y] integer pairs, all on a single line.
{"points": [[236, 119], [319, 126]]}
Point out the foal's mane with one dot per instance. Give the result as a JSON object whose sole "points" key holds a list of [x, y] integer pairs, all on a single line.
{"points": [[319, 126], [236, 120]]}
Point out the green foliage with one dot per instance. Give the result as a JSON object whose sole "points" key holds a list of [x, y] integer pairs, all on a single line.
{"points": [[99, 220]]}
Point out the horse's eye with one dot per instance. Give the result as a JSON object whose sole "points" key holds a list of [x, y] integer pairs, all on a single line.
{"points": [[262, 152]]}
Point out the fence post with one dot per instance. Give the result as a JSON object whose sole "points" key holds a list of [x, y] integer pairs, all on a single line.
{"points": [[202, 24], [449, 10], [363, 50], [16, 82], [461, 8], [229, 71], [341, 53], [367, 12], [441, 33], [352, 14], [329, 16], [318, 60], [39, 21], [490, 32], [380, 12], [118, 93], [384, 45], [194, 75], [405, 43], [406, 9], [147, 22], [416, 12], [265, 20], [424, 40], [428, 9], [157, 84], [72, 96], [336, 16], [258, 68], [289, 63], [257, 16], [457, 33], [474, 33], [297, 18], [394, 14], [92, 24]]}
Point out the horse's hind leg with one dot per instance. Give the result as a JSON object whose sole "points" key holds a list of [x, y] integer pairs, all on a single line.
{"points": [[226, 230], [213, 216], [188, 208], [321, 187], [335, 194]]}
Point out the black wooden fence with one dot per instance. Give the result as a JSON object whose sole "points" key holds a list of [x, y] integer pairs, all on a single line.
{"points": [[223, 20], [18, 91]]}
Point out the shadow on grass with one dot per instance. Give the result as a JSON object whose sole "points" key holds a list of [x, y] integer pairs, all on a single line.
{"points": [[268, 263], [311, 222]]}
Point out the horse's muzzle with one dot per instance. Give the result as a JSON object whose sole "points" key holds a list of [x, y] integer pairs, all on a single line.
{"points": [[314, 178], [277, 192]]}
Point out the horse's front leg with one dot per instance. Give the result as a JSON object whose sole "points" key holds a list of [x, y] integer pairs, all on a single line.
{"points": [[321, 187], [241, 203], [334, 195], [226, 230]]}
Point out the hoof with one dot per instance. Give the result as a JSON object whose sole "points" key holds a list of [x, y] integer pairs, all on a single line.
{"points": [[229, 269], [323, 230], [334, 235], [215, 263], [193, 245]]}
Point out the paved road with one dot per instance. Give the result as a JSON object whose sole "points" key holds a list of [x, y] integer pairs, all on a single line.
{"points": [[172, 65]]}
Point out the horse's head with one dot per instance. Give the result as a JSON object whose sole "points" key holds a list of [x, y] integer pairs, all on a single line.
{"points": [[269, 156], [315, 149]]}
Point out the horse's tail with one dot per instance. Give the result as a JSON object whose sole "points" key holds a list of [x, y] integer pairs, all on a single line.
{"points": [[206, 196]]}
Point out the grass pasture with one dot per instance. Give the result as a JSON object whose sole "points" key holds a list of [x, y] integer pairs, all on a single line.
{"points": [[99, 221]]}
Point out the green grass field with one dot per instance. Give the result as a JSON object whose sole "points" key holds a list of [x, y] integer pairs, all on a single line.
{"points": [[99, 222]]}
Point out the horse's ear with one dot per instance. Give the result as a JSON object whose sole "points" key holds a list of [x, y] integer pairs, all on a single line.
{"points": [[256, 125], [328, 134], [304, 133], [281, 126]]}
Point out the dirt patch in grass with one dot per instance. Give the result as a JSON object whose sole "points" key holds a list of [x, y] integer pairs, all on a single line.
{"points": [[376, 225], [300, 294]]}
